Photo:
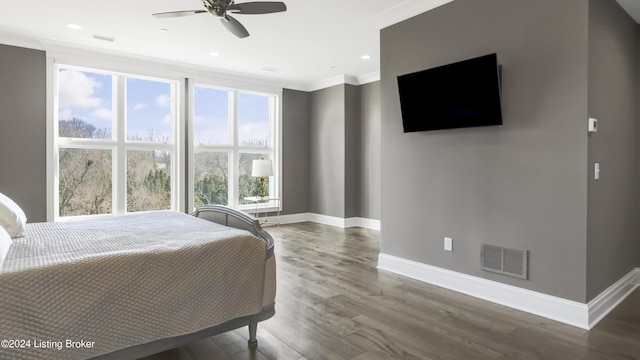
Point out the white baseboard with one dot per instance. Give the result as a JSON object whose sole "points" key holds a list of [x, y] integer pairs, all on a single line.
{"points": [[293, 218], [363, 223], [330, 220], [602, 304], [570, 312]]}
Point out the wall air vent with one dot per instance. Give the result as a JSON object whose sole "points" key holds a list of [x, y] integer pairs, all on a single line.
{"points": [[505, 261], [103, 38]]}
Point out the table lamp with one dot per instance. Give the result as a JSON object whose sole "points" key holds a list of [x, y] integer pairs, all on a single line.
{"points": [[262, 169]]}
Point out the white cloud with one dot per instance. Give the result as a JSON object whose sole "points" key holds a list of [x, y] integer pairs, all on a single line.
{"points": [[77, 90], [163, 100], [102, 113], [198, 119], [65, 114], [256, 130], [140, 106], [167, 119]]}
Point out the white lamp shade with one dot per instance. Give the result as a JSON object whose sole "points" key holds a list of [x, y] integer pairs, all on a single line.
{"points": [[262, 168]]}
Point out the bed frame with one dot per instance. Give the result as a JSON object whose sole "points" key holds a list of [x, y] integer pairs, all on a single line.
{"points": [[229, 217]]}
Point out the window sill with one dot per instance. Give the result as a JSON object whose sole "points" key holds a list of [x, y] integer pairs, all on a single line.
{"points": [[261, 209]]}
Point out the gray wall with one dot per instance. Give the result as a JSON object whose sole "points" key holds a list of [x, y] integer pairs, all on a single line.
{"points": [[353, 157], [23, 136], [522, 185], [345, 151], [327, 160], [314, 128], [370, 151], [295, 151], [612, 212]]}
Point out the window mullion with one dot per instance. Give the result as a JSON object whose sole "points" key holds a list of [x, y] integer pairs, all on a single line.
{"points": [[234, 156], [275, 138], [83, 144], [120, 166], [255, 150], [181, 191]]}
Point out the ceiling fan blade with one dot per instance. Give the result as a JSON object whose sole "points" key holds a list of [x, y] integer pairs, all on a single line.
{"points": [[257, 7], [234, 26], [172, 14]]}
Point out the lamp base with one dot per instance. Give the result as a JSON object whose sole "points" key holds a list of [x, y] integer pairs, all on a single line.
{"points": [[263, 182]]}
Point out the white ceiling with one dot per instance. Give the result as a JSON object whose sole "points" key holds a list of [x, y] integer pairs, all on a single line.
{"points": [[311, 43]]}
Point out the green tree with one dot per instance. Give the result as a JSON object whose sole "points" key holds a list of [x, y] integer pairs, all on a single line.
{"points": [[148, 182], [85, 182], [75, 128], [211, 189]]}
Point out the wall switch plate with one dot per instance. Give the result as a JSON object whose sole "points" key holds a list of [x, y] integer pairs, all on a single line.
{"points": [[448, 244], [593, 125], [596, 171]]}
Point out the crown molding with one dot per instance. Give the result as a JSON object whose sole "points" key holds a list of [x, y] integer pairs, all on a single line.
{"points": [[403, 11], [343, 79], [12, 38], [296, 86], [369, 78], [333, 81], [120, 62]]}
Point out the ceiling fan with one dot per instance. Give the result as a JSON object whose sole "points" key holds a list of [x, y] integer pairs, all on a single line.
{"points": [[219, 9]]}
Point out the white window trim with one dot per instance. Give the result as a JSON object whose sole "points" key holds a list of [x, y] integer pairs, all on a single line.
{"points": [[118, 146], [144, 66], [274, 151]]}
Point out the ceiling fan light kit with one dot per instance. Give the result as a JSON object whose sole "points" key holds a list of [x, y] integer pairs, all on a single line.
{"points": [[219, 9]]}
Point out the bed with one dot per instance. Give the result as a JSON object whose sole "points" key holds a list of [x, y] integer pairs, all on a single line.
{"points": [[130, 286]]}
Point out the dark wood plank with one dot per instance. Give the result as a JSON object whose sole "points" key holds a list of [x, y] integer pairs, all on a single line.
{"points": [[333, 303], [205, 349]]}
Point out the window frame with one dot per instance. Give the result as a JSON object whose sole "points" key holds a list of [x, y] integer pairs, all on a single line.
{"points": [[234, 149], [185, 75], [117, 144]]}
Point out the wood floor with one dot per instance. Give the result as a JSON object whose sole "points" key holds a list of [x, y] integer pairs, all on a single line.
{"points": [[332, 303]]}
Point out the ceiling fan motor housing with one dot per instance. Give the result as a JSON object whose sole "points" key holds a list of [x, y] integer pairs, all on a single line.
{"points": [[218, 9], [215, 8]]}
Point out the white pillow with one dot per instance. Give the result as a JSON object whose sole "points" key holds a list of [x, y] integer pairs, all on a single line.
{"points": [[12, 218], [5, 243]]}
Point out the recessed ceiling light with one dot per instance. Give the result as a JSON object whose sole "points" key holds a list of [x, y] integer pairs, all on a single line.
{"points": [[214, 54], [365, 57], [74, 26], [164, 30]]}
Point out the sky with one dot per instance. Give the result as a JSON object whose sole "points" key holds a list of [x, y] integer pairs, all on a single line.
{"points": [[211, 124], [89, 96], [149, 109], [85, 97]]}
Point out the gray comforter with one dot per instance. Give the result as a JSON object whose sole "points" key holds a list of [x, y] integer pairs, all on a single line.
{"points": [[73, 290]]}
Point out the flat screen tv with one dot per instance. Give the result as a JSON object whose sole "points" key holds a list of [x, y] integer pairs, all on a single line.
{"points": [[458, 95]]}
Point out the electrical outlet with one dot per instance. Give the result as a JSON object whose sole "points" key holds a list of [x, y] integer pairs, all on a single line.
{"points": [[448, 244]]}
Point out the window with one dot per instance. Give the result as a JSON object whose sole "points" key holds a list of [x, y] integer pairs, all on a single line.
{"points": [[115, 141], [231, 128], [139, 137]]}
